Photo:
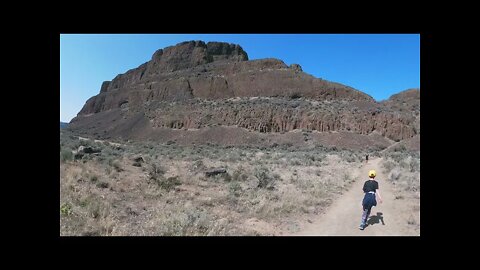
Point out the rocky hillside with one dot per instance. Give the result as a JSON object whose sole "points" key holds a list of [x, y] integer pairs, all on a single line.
{"points": [[197, 85]]}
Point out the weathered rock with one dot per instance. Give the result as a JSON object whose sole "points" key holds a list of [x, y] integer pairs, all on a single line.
{"points": [[196, 85], [138, 161], [296, 67], [215, 171], [87, 150], [77, 155], [104, 87], [278, 115], [211, 71], [90, 150], [224, 51]]}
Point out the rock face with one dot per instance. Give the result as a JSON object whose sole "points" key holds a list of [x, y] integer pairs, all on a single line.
{"points": [[198, 85], [280, 115], [406, 103], [408, 100], [211, 71]]}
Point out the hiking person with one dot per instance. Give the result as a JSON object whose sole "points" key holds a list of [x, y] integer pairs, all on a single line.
{"points": [[366, 158], [370, 188]]}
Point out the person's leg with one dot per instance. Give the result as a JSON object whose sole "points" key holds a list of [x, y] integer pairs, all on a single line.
{"points": [[368, 214], [367, 206], [364, 218], [365, 215]]}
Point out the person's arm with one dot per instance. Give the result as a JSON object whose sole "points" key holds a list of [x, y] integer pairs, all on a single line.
{"points": [[379, 196]]}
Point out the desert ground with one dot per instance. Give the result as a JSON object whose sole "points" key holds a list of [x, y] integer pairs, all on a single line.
{"points": [[162, 189]]}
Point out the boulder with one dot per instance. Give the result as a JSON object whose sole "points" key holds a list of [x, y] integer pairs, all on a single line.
{"points": [[215, 171]]}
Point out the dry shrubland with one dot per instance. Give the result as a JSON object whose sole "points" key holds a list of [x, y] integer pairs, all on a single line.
{"points": [[402, 168], [146, 188]]}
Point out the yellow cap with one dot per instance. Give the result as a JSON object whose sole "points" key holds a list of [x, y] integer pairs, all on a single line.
{"points": [[372, 173]]}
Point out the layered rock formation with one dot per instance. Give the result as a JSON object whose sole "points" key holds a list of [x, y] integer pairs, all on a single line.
{"points": [[196, 85], [280, 115]]}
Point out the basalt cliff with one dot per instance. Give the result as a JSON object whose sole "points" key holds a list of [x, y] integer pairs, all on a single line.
{"points": [[196, 92]]}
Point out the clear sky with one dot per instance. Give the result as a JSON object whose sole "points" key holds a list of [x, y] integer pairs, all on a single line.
{"points": [[377, 64]]}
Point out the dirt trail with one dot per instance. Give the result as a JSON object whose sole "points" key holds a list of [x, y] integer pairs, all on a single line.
{"points": [[343, 216]]}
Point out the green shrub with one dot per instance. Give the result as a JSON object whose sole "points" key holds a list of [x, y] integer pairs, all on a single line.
{"points": [[404, 164], [102, 185], [347, 178], [350, 157], [156, 171], [95, 209], [394, 175], [238, 175], [388, 165], [189, 222], [198, 165], [66, 155], [296, 162], [234, 189], [93, 178], [401, 148], [169, 183], [227, 177], [66, 209], [117, 166], [264, 179], [414, 165]]}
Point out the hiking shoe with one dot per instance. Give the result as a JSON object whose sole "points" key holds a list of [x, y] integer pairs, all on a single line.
{"points": [[361, 227]]}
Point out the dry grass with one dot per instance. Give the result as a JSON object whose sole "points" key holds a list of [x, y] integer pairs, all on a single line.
{"points": [[403, 170], [405, 174], [169, 194]]}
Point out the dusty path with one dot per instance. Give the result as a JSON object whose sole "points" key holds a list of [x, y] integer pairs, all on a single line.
{"points": [[343, 216]]}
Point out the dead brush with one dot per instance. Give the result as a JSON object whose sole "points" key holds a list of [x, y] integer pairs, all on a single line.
{"points": [[156, 175]]}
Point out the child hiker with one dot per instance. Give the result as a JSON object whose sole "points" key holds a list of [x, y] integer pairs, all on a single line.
{"points": [[369, 200]]}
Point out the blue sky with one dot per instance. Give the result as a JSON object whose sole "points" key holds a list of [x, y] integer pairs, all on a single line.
{"points": [[377, 64]]}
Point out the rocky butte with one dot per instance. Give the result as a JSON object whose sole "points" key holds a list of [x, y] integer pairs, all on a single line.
{"points": [[196, 92]]}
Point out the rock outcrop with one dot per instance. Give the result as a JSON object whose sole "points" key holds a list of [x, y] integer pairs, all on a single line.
{"points": [[195, 85], [279, 115], [211, 71]]}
